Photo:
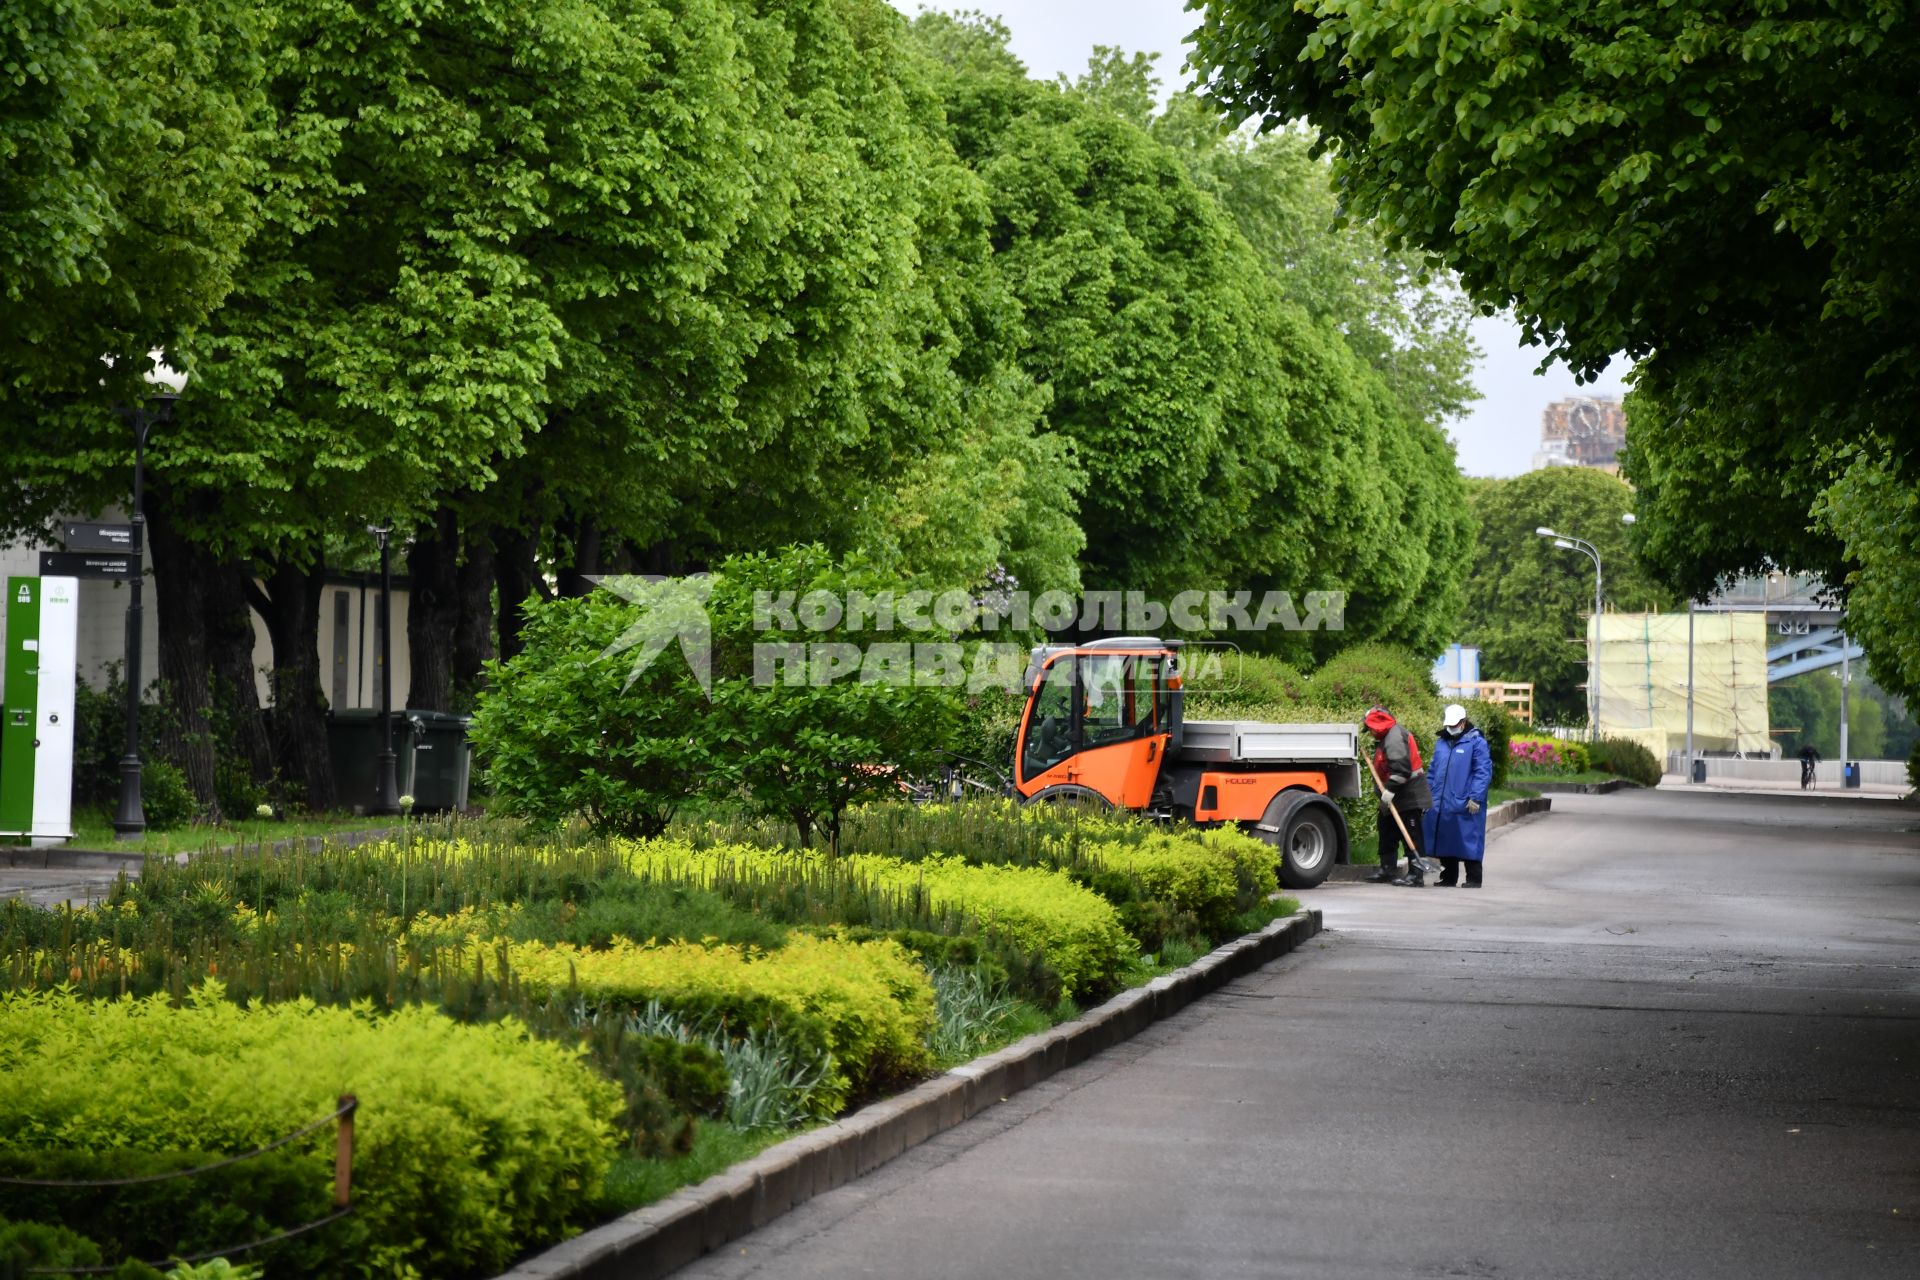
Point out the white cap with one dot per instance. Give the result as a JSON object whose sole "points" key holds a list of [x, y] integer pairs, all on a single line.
{"points": [[1453, 715]]}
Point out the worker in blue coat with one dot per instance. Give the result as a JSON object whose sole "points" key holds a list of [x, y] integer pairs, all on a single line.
{"points": [[1459, 773]]}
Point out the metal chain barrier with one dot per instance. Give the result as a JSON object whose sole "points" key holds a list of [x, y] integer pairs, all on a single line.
{"points": [[342, 1190]]}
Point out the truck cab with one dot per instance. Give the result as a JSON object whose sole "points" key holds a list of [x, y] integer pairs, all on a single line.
{"points": [[1104, 727]]}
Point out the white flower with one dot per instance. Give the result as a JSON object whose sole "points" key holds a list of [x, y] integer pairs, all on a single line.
{"points": [[263, 811], [406, 802]]}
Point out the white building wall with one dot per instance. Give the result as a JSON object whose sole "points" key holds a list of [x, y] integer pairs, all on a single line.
{"points": [[102, 639]]}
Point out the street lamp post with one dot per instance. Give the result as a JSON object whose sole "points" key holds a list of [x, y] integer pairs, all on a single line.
{"points": [[386, 783], [130, 818], [1566, 542]]}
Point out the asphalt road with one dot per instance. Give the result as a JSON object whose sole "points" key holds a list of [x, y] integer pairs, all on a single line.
{"points": [[1675, 1035]]}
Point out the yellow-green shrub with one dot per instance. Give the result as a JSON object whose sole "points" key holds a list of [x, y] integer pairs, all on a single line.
{"points": [[1077, 930], [1213, 875], [472, 1143], [1034, 908], [869, 1004]]}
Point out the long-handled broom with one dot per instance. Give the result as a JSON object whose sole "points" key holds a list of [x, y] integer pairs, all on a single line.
{"points": [[1416, 860]]}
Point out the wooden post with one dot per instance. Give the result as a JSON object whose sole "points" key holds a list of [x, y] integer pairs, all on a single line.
{"points": [[343, 1153]]}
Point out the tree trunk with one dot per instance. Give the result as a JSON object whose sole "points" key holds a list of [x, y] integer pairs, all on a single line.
{"points": [[663, 559], [230, 656], [291, 607], [473, 616], [516, 571], [585, 537], [182, 576], [433, 598]]}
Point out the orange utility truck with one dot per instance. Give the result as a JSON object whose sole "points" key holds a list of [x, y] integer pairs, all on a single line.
{"points": [[1104, 727]]}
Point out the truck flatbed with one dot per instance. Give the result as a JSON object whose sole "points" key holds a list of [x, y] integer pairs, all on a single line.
{"points": [[1257, 742]]}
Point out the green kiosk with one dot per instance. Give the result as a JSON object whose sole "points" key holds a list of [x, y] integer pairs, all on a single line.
{"points": [[36, 709]]}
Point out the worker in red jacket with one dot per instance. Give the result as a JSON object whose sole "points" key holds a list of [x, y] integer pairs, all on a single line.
{"points": [[1403, 785]]}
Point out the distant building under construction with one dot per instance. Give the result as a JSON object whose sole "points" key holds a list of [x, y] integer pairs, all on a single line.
{"points": [[1582, 431]]}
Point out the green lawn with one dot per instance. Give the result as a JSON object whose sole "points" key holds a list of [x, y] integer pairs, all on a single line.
{"points": [[93, 829]]}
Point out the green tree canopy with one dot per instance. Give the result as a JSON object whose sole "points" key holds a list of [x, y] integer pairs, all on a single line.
{"points": [[1229, 436], [1805, 711], [1726, 192], [1526, 598], [129, 164]]}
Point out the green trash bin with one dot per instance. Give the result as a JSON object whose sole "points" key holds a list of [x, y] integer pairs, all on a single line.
{"points": [[353, 743], [438, 761]]}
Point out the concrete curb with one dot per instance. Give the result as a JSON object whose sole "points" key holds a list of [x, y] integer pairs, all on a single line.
{"points": [[665, 1236], [1502, 814], [1514, 810], [1580, 788]]}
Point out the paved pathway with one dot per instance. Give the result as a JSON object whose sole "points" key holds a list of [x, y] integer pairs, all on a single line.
{"points": [[1676, 1035]]}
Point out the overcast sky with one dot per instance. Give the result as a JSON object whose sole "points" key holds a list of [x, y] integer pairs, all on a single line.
{"points": [[1499, 435]]}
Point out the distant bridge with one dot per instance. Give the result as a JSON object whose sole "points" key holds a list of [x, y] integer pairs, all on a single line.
{"points": [[1803, 620]]}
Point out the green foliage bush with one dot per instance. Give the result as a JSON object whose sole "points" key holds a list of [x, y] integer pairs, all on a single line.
{"points": [[183, 1216], [562, 730], [165, 797], [1033, 908], [1256, 678], [1497, 724], [867, 1004], [1079, 932], [572, 725], [37, 1249], [473, 1143], [1367, 674], [1627, 759]]}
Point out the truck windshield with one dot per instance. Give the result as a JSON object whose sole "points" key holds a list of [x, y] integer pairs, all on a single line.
{"points": [[1050, 727]]}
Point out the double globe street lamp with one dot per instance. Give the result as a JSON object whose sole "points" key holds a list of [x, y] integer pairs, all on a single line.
{"points": [[1567, 542]]}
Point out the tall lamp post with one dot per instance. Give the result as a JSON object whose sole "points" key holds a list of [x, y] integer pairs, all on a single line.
{"points": [[130, 818], [1567, 542], [386, 782]]}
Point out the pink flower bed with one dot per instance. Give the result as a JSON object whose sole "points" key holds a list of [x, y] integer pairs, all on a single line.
{"points": [[1529, 755]]}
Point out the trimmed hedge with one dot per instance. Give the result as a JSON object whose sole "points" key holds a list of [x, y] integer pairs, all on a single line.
{"points": [[1626, 758], [1039, 910], [1033, 908], [472, 1143], [867, 1004]]}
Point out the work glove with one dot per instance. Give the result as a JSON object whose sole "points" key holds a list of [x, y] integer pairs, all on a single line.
{"points": [[1386, 796], [1473, 806]]}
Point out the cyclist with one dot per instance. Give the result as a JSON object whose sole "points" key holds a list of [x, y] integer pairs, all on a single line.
{"points": [[1808, 758]]}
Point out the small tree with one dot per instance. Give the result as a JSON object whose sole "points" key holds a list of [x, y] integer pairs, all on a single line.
{"points": [[568, 726], [807, 723], [604, 714]]}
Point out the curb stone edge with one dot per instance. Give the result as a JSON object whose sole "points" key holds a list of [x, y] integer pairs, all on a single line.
{"points": [[662, 1237]]}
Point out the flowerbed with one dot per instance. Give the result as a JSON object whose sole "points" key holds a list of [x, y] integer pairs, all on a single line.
{"points": [[1532, 757], [662, 978], [471, 1142]]}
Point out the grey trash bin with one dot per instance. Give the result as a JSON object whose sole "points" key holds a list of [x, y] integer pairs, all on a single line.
{"points": [[1699, 770], [441, 761], [1850, 774]]}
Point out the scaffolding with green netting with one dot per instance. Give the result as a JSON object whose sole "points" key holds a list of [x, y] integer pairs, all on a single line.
{"points": [[1643, 680]]}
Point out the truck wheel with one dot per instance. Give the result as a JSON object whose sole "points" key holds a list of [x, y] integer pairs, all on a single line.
{"points": [[1071, 797], [1308, 848]]}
